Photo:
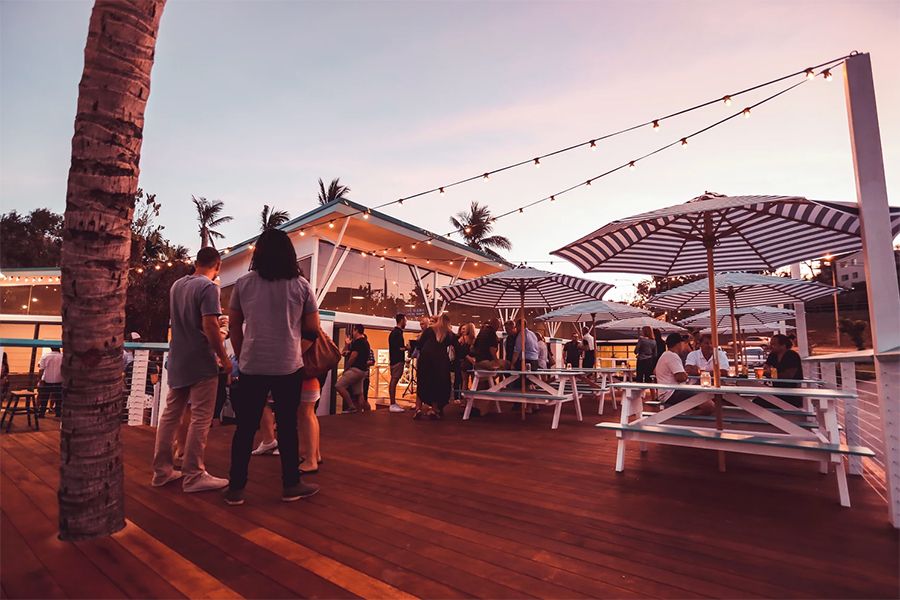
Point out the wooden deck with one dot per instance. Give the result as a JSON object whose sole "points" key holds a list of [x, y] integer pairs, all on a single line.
{"points": [[492, 507]]}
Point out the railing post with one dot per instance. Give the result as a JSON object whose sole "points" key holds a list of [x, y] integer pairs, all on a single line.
{"points": [[881, 275], [851, 415]]}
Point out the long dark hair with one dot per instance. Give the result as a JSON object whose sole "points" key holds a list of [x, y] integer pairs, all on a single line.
{"points": [[275, 257]]}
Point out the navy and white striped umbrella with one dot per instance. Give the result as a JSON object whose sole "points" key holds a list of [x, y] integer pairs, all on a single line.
{"points": [[746, 232], [746, 317], [524, 287], [769, 328], [638, 323], [593, 311], [745, 290]]}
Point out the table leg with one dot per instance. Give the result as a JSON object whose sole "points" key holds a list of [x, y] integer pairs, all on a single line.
{"points": [[556, 413], [468, 411], [717, 399], [576, 399], [834, 436]]}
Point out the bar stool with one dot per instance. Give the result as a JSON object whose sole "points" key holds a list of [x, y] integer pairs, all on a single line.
{"points": [[12, 408]]}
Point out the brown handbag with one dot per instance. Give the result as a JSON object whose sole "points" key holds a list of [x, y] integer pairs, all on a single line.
{"points": [[320, 358]]}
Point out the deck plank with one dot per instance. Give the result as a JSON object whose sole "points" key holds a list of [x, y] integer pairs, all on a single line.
{"points": [[492, 507]]}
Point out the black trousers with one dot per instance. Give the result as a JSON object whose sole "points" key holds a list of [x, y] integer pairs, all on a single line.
{"points": [[589, 359], [248, 407], [644, 370]]}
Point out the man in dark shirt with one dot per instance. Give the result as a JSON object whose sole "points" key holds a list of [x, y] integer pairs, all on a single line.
{"points": [[572, 352], [509, 344], [397, 357], [787, 364], [487, 346], [356, 367]]}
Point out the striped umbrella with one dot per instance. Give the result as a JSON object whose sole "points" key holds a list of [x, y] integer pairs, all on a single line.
{"points": [[746, 317], [524, 287], [639, 323], [593, 311], [744, 232]]}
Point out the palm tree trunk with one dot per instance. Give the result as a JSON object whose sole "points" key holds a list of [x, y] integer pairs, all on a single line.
{"points": [[103, 180]]}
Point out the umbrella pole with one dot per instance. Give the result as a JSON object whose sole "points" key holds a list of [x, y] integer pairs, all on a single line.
{"points": [[709, 242], [734, 333], [522, 339]]}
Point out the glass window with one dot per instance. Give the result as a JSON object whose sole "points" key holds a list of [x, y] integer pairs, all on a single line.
{"points": [[31, 300], [845, 277], [855, 274]]}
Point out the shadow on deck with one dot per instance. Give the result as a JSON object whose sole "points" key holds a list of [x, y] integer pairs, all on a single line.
{"points": [[488, 508]]}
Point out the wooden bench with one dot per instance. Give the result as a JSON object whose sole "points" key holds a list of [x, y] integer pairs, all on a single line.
{"points": [[733, 419], [471, 396]]}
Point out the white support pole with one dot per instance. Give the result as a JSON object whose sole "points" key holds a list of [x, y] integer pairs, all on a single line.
{"points": [[320, 277], [320, 295], [418, 277], [800, 318], [878, 257]]}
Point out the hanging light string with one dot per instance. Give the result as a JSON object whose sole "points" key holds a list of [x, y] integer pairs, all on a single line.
{"points": [[728, 99]]}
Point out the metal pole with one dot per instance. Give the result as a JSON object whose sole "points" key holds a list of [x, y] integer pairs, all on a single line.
{"points": [[837, 320], [878, 257], [800, 317], [734, 330]]}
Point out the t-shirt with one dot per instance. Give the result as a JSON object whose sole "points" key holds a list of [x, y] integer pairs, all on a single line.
{"points": [[645, 349], [697, 359], [484, 341], [509, 347], [572, 352], [273, 320], [589, 343], [531, 346], [361, 346], [667, 366], [790, 361], [51, 365], [191, 358], [395, 346]]}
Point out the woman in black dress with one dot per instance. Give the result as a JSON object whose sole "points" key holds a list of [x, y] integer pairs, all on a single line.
{"points": [[433, 367]]}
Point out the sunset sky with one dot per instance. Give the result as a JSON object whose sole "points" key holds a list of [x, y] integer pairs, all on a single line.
{"points": [[251, 102]]}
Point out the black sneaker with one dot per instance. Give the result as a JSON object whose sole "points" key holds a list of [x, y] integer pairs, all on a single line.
{"points": [[234, 497], [300, 490]]}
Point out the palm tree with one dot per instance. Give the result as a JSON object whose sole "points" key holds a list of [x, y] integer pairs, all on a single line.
{"points": [[476, 226], [270, 218], [102, 185], [208, 212], [335, 191]]}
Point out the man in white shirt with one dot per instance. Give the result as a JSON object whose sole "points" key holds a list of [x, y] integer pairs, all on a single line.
{"points": [[50, 386], [669, 371], [589, 360], [702, 359]]}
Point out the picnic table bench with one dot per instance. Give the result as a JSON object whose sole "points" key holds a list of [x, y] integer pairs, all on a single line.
{"points": [[540, 393], [812, 434]]}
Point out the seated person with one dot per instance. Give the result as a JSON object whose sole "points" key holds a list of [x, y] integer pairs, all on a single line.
{"points": [[702, 359], [787, 364], [669, 371]]}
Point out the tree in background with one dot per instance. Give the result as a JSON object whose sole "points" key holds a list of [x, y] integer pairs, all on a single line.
{"points": [[96, 249], [155, 265], [854, 329], [209, 215], [476, 227], [335, 191], [270, 218], [32, 240]]}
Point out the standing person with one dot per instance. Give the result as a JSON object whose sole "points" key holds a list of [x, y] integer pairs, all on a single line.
{"points": [[397, 360], [366, 382], [434, 367], [645, 349], [660, 345], [50, 381], [309, 426], [274, 317], [464, 358], [702, 359], [193, 375], [509, 344], [543, 352], [532, 350], [486, 349], [572, 353], [356, 367], [590, 349]]}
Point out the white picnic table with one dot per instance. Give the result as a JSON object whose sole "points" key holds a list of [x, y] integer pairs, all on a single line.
{"points": [[596, 379], [807, 435], [541, 392]]}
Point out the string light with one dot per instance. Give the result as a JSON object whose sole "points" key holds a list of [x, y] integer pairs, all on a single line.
{"points": [[468, 230], [552, 198], [366, 214], [140, 270], [537, 162], [632, 166], [810, 74], [486, 176], [588, 182], [656, 125], [727, 100], [593, 145], [157, 267], [827, 75], [331, 224], [302, 233], [684, 142], [413, 246], [442, 190], [746, 113]]}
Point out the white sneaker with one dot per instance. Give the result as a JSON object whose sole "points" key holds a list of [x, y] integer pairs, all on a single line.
{"points": [[396, 408], [204, 483], [264, 448], [161, 481]]}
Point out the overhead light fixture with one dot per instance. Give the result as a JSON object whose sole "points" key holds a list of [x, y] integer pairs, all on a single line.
{"points": [[358, 297]]}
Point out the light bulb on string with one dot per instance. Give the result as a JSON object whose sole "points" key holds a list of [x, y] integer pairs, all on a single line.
{"points": [[486, 176], [552, 198], [252, 247], [656, 125], [746, 113], [366, 214], [588, 182], [400, 201], [468, 230], [827, 75], [428, 241], [331, 224], [169, 264], [537, 162], [139, 270], [441, 190], [302, 232], [413, 246], [684, 142], [810, 74], [593, 145], [521, 210], [157, 267], [727, 100], [632, 165]]}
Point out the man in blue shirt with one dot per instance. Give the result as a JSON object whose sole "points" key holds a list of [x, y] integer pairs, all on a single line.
{"points": [[531, 350]]}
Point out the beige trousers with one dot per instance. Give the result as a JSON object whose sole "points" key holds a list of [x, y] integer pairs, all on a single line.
{"points": [[202, 396]]}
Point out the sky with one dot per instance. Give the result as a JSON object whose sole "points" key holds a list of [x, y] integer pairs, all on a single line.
{"points": [[252, 102]]}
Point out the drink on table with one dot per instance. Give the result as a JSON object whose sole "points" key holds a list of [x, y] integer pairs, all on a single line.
{"points": [[705, 378], [758, 372]]}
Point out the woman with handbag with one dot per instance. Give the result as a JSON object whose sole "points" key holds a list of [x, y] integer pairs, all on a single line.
{"points": [[274, 318]]}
